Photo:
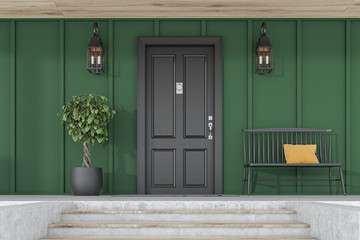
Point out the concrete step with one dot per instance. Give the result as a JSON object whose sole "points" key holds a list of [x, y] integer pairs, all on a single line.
{"points": [[179, 215], [177, 228], [179, 238]]}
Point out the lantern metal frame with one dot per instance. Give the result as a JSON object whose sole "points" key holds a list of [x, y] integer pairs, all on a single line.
{"points": [[264, 49], [95, 53]]}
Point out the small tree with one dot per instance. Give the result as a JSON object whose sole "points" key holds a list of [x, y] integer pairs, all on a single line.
{"points": [[87, 118]]}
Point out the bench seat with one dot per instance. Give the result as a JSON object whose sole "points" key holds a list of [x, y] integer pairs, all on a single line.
{"points": [[265, 148], [294, 165]]}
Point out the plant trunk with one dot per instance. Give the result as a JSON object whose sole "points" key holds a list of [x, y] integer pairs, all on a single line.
{"points": [[87, 156]]}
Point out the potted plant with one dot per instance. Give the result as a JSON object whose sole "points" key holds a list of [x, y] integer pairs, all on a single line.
{"points": [[87, 118]]}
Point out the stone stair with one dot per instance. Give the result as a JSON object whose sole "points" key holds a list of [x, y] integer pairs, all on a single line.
{"points": [[180, 238], [204, 224]]}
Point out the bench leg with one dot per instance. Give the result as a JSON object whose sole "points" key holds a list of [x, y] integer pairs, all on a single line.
{"points": [[243, 181], [342, 180], [330, 180], [249, 179]]}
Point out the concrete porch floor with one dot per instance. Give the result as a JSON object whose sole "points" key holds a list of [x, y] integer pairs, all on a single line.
{"points": [[330, 217], [179, 201], [50, 198]]}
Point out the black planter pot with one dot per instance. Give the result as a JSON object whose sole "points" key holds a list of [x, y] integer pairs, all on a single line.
{"points": [[86, 181]]}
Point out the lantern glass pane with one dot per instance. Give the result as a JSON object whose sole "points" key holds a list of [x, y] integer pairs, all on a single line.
{"points": [[264, 59], [95, 58]]}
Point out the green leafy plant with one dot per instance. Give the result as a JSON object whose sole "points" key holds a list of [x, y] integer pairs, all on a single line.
{"points": [[87, 118]]}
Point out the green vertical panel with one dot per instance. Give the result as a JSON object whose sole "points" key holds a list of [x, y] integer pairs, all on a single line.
{"points": [[274, 98], [5, 100], [234, 34], [354, 172], [125, 101], [79, 81], [348, 105], [298, 73], [250, 91], [61, 103], [298, 91], [111, 104], [203, 27], [156, 27], [37, 96], [12, 106], [180, 28], [275, 93], [250, 75], [323, 91]]}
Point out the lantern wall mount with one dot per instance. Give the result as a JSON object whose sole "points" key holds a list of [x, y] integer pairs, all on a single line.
{"points": [[95, 53], [264, 53]]}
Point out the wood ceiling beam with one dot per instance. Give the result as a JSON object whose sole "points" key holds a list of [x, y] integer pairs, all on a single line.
{"points": [[180, 9]]}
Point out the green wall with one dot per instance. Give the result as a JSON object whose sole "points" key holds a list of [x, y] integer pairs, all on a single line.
{"points": [[43, 63]]}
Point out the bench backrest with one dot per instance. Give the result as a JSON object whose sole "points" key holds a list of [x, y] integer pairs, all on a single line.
{"points": [[267, 145]]}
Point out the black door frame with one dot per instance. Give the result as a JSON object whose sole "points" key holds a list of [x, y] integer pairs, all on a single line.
{"points": [[215, 42]]}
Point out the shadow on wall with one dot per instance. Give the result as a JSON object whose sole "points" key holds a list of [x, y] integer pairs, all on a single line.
{"points": [[125, 157]]}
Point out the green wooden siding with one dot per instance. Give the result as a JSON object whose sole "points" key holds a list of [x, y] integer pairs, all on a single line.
{"points": [[43, 63], [125, 101], [37, 138], [234, 96], [274, 96], [5, 103], [323, 89], [353, 166], [180, 28], [79, 81]]}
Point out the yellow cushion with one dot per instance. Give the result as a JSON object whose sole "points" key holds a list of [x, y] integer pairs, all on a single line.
{"points": [[300, 153]]}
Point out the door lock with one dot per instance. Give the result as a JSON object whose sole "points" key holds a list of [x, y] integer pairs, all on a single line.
{"points": [[210, 125]]}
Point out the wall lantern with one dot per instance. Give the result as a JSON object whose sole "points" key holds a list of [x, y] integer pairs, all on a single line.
{"points": [[95, 57], [264, 58]]}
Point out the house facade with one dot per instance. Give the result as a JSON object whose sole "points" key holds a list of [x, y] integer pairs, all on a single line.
{"points": [[43, 63]]}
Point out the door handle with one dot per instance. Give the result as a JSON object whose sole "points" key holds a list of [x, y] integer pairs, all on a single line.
{"points": [[210, 125]]}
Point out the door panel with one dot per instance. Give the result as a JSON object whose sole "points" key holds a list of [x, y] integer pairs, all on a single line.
{"points": [[163, 168], [179, 156], [163, 102], [195, 95], [195, 162]]}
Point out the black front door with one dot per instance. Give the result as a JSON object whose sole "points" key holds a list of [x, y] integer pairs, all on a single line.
{"points": [[180, 122]]}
